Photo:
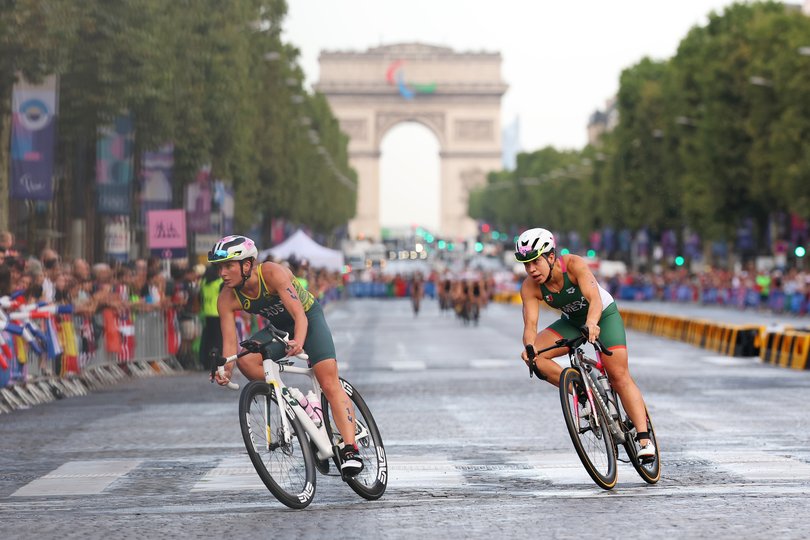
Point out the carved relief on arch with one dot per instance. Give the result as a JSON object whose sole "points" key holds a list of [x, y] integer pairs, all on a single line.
{"points": [[474, 130], [470, 179], [434, 121], [355, 128]]}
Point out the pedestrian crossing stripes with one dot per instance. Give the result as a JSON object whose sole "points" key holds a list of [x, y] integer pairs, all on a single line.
{"points": [[541, 471], [78, 478]]}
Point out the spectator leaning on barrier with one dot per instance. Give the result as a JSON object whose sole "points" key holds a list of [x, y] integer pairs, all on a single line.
{"points": [[50, 265]]}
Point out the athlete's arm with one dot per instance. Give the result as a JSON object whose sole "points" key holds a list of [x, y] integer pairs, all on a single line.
{"points": [[531, 311], [226, 306], [582, 276], [279, 279]]}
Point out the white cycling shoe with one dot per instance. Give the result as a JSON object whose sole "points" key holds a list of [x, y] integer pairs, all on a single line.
{"points": [[647, 452]]}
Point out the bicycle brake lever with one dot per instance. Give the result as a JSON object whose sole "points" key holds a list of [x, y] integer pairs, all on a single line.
{"points": [[602, 349], [530, 354]]}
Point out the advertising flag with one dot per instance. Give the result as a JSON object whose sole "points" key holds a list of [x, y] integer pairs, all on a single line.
{"points": [[33, 135], [198, 202], [156, 179], [114, 167]]}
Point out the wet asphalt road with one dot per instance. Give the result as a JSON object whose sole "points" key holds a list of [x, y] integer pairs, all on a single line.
{"points": [[475, 447]]}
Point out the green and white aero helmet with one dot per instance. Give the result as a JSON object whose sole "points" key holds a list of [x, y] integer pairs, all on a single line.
{"points": [[533, 243], [233, 248]]}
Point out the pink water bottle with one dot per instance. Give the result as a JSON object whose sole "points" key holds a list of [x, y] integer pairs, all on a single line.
{"points": [[313, 408]]}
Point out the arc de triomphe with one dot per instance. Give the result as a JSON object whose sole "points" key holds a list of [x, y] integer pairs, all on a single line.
{"points": [[457, 95]]}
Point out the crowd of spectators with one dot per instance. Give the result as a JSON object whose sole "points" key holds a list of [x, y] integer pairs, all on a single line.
{"points": [[777, 291], [152, 284], [125, 287]]}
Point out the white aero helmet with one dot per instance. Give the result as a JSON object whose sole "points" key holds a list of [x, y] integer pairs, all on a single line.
{"points": [[233, 248], [533, 243]]}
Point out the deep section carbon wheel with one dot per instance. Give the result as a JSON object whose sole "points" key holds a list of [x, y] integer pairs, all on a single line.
{"points": [[287, 467], [591, 438], [373, 479]]}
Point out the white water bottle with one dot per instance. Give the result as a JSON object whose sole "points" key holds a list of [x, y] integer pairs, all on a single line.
{"points": [[313, 408], [299, 396]]}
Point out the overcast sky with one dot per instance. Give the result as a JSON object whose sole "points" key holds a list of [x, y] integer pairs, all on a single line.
{"points": [[561, 60]]}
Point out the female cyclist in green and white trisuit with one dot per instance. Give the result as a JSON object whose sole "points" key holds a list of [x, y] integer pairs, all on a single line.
{"points": [[566, 283], [272, 291]]}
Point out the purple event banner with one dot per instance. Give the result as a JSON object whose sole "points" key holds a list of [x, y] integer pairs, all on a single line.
{"points": [[33, 135], [114, 167]]}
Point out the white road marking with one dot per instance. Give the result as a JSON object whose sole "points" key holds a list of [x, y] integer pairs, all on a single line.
{"points": [[78, 478], [556, 467], [408, 365], [757, 466], [234, 473], [758, 472], [493, 363]]}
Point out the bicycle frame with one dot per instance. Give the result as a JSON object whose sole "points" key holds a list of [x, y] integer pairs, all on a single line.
{"points": [[318, 435], [586, 367]]}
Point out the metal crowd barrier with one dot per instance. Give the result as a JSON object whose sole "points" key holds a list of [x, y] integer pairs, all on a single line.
{"points": [[85, 362]]}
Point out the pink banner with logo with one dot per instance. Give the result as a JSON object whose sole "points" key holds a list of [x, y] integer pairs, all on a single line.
{"points": [[166, 233]]}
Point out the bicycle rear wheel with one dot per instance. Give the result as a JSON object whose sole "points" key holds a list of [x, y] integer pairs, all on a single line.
{"points": [[593, 443], [373, 479], [286, 468], [650, 470]]}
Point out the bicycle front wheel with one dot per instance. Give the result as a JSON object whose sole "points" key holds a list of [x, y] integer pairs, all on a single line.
{"points": [[373, 479], [287, 467], [593, 443]]}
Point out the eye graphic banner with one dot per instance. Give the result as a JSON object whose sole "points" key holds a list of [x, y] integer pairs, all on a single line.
{"points": [[33, 135]]}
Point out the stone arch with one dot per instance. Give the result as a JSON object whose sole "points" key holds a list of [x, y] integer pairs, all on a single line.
{"points": [[456, 95]]}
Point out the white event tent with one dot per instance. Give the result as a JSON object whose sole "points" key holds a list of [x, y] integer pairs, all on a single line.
{"points": [[301, 246]]}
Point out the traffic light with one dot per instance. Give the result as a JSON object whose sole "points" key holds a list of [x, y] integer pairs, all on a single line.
{"points": [[679, 261], [442, 244], [565, 251], [800, 251], [591, 254], [479, 247]]}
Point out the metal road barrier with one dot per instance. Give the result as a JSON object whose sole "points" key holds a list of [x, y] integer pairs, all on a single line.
{"points": [[73, 354]]}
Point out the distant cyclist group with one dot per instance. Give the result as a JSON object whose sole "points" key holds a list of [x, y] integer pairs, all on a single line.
{"points": [[466, 296]]}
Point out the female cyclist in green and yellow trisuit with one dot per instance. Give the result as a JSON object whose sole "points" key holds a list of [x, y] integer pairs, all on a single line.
{"points": [[271, 291]]}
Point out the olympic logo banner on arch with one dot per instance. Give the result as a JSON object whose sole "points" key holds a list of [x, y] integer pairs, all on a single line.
{"points": [[395, 75]]}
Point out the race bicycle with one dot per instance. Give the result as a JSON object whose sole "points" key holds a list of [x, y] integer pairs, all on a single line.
{"points": [[594, 415], [287, 448]]}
